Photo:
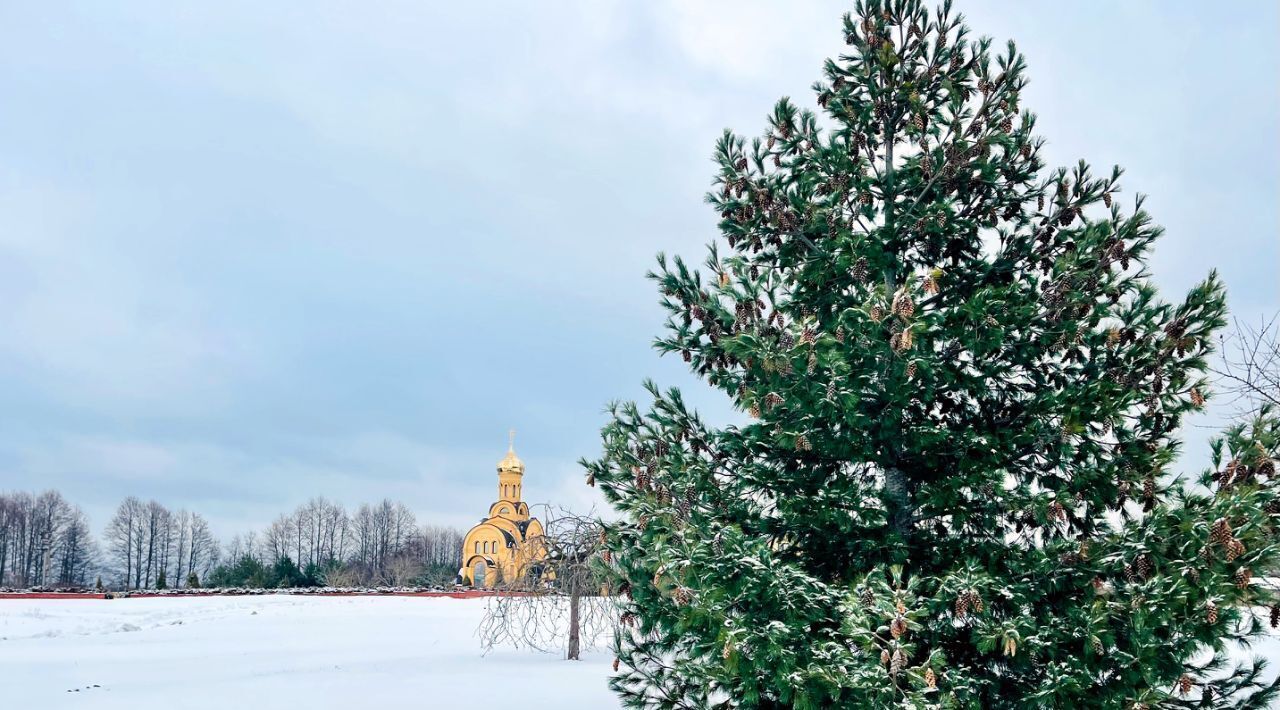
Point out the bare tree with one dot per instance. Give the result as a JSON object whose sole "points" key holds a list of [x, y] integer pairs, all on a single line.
{"points": [[120, 533], [74, 550], [202, 548], [561, 602], [43, 540], [1250, 369]]}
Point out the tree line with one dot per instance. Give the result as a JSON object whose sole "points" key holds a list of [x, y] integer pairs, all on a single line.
{"points": [[320, 543], [47, 541], [44, 540]]}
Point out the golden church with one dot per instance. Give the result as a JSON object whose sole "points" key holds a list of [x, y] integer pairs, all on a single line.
{"points": [[507, 545]]}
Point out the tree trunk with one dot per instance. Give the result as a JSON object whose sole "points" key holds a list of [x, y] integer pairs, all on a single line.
{"points": [[898, 499], [574, 600]]}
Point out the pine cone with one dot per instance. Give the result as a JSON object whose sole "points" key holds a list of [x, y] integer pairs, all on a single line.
{"points": [[616, 662], [911, 369], [1144, 566], [802, 443], [877, 313], [1106, 199], [1275, 615], [1243, 577], [859, 272], [1235, 548], [898, 626], [903, 306], [901, 342], [1057, 511], [1197, 399], [1267, 468], [1221, 533], [1211, 612], [930, 678], [899, 662], [866, 597], [1184, 684], [884, 658]]}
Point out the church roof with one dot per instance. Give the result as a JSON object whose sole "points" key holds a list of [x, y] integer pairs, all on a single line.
{"points": [[511, 462]]}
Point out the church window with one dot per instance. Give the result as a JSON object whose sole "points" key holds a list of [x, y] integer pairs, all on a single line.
{"points": [[477, 548]]}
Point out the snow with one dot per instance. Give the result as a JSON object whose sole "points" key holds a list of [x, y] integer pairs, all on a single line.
{"points": [[288, 652], [277, 651]]}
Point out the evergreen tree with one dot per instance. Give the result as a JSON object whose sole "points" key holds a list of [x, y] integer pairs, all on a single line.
{"points": [[193, 580], [955, 488], [285, 573], [161, 583]]}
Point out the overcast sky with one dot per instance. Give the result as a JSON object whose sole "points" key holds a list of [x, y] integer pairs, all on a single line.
{"points": [[251, 254]]}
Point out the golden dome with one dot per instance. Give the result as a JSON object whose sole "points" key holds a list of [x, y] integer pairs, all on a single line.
{"points": [[511, 462]]}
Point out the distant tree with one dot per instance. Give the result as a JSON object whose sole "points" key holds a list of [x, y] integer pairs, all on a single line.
{"points": [[285, 574], [44, 540], [193, 580], [246, 571], [161, 582]]}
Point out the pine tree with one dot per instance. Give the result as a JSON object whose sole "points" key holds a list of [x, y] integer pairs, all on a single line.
{"points": [[161, 583], [956, 487], [193, 580]]}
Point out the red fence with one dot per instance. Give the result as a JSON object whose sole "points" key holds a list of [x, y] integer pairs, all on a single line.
{"points": [[459, 594]]}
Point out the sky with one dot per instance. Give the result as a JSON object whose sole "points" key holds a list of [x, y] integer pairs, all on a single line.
{"points": [[256, 252]]}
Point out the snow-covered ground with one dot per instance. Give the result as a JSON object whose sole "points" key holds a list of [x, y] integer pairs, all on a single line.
{"points": [[277, 652], [286, 652]]}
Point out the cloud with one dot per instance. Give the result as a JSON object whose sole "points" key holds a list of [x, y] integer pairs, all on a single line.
{"points": [[253, 253]]}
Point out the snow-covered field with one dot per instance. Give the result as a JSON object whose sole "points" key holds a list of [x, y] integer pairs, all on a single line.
{"points": [[276, 652], [286, 652]]}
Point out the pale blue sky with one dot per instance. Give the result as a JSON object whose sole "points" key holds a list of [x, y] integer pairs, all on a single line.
{"points": [[253, 252]]}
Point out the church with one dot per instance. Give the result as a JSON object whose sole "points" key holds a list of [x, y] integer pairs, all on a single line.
{"points": [[507, 544]]}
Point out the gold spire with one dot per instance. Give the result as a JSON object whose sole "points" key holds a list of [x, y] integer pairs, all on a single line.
{"points": [[511, 462]]}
